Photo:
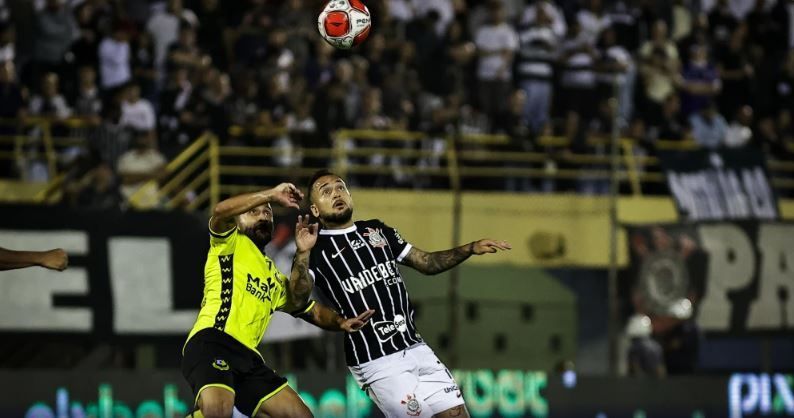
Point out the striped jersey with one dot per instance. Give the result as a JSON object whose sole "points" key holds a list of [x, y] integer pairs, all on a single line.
{"points": [[356, 270]]}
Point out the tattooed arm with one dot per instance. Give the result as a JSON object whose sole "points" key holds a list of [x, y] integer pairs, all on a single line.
{"points": [[441, 261], [327, 319], [299, 287]]}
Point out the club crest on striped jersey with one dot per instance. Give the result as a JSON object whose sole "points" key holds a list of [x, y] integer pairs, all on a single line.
{"points": [[376, 238]]}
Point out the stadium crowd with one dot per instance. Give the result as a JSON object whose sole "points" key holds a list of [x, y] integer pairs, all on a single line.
{"points": [[149, 77]]}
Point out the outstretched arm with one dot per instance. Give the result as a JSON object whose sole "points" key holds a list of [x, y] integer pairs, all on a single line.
{"points": [[53, 259], [327, 319], [441, 261], [285, 194]]}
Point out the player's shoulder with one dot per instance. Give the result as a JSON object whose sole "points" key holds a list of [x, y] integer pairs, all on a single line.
{"points": [[370, 223]]}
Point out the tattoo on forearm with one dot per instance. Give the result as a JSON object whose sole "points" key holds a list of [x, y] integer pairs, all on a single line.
{"points": [[300, 282], [439, 261]]}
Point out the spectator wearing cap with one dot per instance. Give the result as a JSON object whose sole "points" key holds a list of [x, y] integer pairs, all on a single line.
{"points": [[496, 43], [114, 59]]}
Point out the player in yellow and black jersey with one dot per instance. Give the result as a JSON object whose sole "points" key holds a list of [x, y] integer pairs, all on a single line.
{"points": [[242, 290]]}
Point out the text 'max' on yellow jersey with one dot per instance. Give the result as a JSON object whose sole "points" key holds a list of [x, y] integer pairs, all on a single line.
{"points": [[242, 289]]}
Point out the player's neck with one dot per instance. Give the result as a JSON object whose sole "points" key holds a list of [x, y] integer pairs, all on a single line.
{"points": [[331, 225]]}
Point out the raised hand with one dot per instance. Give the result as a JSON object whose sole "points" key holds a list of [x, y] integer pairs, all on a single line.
{"points": [[487, 246], [287, 195], [355, 324], [305, 234]]}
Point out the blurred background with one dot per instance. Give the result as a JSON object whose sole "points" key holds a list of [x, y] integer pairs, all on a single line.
{"points": [[638, 154]]}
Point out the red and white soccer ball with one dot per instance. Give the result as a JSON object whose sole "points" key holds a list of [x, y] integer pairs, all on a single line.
{"points": [[344, 23]]}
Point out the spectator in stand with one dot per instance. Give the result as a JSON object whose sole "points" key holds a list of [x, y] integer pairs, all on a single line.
{"points": [[659, 76], [593, 20], [173, 101], [98, 190], [616, 64], [708, 127], [136, 112], [535, 69], [84, 49], [245, 109], [668, 126], [736, 73], [558, 24], [700, 81], [496, 42], [114, 60], [184, 52], [661, 42], [12, 95], [137, 167], [722, 23], [7, 41], [212, 17], [109, 141], [206, 110], [88, 103], [740, 131], [164, 28], [54, 32], [577, 82], [50, 102], [144, 71]]}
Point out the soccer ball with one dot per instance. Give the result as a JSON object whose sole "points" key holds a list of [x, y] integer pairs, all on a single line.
{"points": [[344, 23]]}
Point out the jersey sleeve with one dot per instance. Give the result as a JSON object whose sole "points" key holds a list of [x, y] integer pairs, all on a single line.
{"points": [[222, 243], [400, 247]]}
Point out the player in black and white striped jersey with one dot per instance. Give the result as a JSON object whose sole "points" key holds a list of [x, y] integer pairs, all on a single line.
{"points": [[354, 265]]}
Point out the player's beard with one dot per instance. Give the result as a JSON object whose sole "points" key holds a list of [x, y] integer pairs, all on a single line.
{"points": [[260, 233], [338, 218]]}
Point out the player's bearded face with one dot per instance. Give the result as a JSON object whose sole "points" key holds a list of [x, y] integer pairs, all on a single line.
{"points": [[260, 232]]}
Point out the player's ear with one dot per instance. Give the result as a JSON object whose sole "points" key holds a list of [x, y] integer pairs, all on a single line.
{"points": [[315, 212]]}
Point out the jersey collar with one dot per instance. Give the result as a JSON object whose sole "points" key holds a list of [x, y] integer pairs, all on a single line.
{"points": [[347, 230]]}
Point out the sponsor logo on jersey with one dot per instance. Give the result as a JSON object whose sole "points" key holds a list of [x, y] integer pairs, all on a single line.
{"points": [[259, 288], [375, 236], [412, 406], [220, 365], [450, 389], [386, 330], [338, 253], [386, 272], [357, 244]]}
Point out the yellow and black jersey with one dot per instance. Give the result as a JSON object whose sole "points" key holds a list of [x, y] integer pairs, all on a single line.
{"points": [[242, 289]]}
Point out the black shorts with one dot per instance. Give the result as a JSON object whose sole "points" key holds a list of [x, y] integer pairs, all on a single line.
{"points": [[215, 359]]}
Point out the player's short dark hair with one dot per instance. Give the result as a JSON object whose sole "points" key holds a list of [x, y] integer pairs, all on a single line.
{"points": [[316, 176]]}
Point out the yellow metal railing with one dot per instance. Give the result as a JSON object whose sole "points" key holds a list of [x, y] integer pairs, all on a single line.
{"points": [[206, 170]]}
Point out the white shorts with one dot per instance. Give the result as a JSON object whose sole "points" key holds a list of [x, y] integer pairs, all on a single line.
{"points": [[409, 383]]}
